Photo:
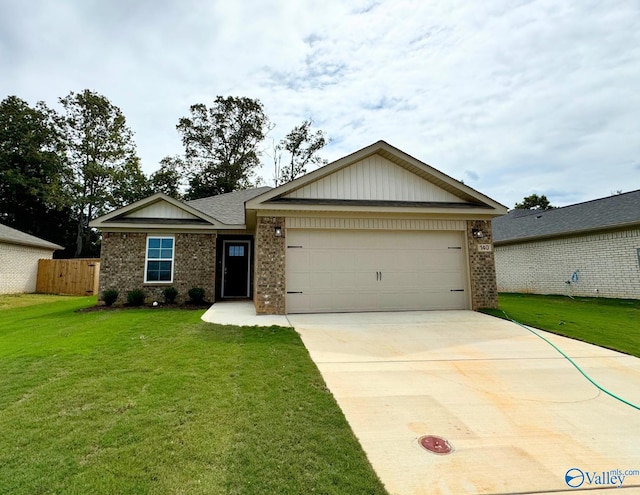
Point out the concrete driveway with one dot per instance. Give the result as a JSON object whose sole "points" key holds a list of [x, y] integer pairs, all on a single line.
{"points": [[518, 415]]}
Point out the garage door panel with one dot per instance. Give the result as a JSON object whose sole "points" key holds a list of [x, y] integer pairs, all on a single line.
{"points": [[320, 281], [299, 280], [319, 257], [345, 279], [375, 270], [401, 281]]}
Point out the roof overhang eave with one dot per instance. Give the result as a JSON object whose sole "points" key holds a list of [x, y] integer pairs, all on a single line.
{"points": [[132, 227], [284, 209], [45, 245]]}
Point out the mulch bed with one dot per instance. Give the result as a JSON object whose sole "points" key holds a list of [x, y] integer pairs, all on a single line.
{"points": [[119, 307]]}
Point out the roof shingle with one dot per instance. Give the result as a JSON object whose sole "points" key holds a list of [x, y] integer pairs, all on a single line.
{"points": [[599, 214], [13, 236], [227, 208]]}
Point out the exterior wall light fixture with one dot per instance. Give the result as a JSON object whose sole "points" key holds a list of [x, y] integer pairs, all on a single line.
{"points": [[277, 231], [477, 233]]}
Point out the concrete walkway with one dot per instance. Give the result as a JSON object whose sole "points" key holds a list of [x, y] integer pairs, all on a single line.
{"points": [[518, 415], [241, 313]]}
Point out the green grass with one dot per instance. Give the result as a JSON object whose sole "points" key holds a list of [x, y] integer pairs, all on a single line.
{"points": [[8, 301], [157, 401], [611, 323]]}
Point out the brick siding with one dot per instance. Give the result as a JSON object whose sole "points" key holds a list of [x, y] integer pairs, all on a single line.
{"points": [[482, 267], [19, 267], [269, 280], [123, 263], [604, 264]]}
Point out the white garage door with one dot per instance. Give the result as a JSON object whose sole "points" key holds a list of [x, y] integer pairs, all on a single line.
{"points": [[359, 270]]}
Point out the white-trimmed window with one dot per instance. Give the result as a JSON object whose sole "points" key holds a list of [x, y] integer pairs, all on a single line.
{"points": [[159, 259]]}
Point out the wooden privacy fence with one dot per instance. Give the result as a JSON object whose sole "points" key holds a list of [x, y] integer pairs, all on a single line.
{"points": [[76, 277]]}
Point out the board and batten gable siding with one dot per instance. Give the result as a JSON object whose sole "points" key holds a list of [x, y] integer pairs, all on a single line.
{"points": [[605, 265], [19, 267], [374, 178], [161, 209]]}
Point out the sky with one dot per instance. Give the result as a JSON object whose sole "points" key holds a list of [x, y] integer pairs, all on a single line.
{"points": [[511, 97]]}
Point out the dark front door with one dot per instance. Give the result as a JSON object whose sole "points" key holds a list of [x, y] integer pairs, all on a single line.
{"points": [[235, 268]]}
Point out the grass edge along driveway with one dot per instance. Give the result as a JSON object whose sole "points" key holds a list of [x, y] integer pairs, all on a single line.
{"points": [[610, 323], [157, 401]]}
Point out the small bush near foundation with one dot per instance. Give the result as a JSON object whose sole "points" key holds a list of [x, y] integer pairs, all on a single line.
{"points": [[109, 296], [170, 294], [135, 297], [196, 295]]}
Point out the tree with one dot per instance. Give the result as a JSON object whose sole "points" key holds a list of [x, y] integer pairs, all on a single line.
{"points": [[534, 202], [34, 197], [129, 184], [221, 144], [301, 144], [101, 152], [168, 178]]}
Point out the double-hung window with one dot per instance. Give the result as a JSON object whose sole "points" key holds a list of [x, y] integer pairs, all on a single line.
{"points": [[159, 262]]}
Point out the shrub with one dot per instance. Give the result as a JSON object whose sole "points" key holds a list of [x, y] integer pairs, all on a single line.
{"points": [[109, 296], [170, 294], [135, 297], [196, 295]]}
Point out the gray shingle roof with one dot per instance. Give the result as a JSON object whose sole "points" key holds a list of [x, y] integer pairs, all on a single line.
{"points": [[13, 236], [227, 208], [598, 214]]}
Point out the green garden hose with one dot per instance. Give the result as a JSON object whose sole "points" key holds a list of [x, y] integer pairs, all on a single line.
{"points": [[595, 384]]}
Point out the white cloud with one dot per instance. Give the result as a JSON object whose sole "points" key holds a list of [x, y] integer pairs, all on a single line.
{"points": [[512, 97]]}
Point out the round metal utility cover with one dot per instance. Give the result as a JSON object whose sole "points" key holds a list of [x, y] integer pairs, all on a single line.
{"points": [[434, 444]]}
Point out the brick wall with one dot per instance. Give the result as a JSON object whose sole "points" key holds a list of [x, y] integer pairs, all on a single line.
{"points": [[123, 258], [482, 267], [604, 264], [19, 267], [269, 279]]}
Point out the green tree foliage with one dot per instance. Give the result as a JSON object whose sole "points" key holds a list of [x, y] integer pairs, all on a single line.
{"points": [[222, 144], [168, 178], [302, 145], [101, 153], [534, 202], [34, 197], [130, 184]]}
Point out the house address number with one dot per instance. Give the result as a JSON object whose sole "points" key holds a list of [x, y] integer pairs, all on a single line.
{"points": [[484, 248]]}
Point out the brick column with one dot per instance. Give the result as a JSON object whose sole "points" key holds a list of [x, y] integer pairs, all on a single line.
{"points": [[269, 279], [482, 267]]}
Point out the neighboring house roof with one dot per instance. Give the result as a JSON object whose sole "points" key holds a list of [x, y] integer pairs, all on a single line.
{"points": [[618, 211], [12, 236], [228, 208]]}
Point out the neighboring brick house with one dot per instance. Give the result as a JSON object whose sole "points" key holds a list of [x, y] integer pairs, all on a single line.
{"points": [[376, 230], [19, 255], [586, 249]]}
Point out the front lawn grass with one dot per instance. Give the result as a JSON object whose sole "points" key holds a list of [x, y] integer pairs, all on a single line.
{"points": [[611, 323], [8, 301], [156, 401]]}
